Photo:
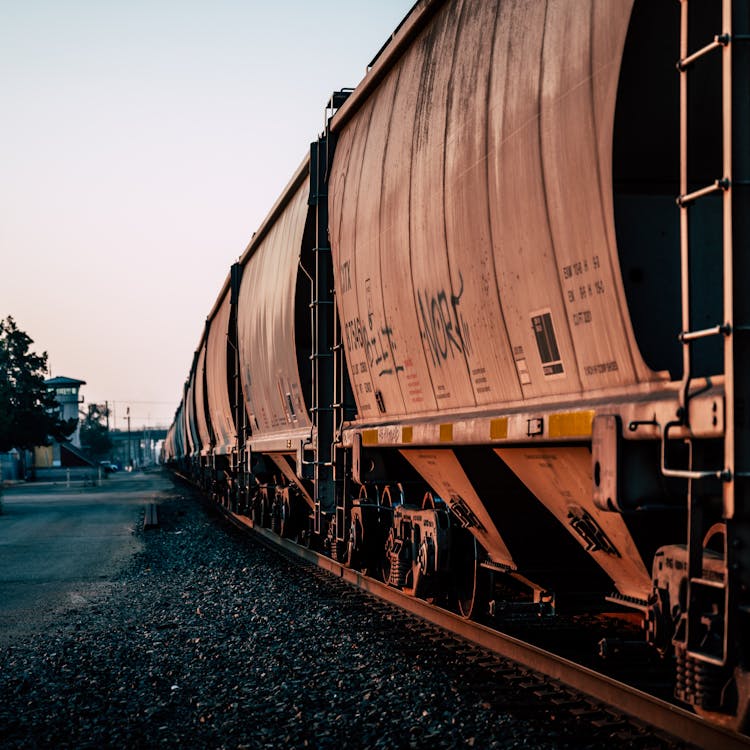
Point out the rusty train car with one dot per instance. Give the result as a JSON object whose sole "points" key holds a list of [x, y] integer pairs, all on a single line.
{"points": [[490, 344]]}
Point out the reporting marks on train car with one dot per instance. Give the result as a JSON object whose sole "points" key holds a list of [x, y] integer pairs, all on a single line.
{"points": [[546, 342]]}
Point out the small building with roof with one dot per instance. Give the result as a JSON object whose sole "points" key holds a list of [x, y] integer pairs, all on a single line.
{"points": [[66, 391]]}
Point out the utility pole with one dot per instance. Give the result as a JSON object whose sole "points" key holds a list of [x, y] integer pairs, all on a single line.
{"points": [[130, 455]]}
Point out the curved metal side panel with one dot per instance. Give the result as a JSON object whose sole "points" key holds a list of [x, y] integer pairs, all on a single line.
{"points": [[577, 106], [609, 31], [371, 248], [471, 213], [522, 246], [201, 418], [355, 327], [265, 329], [219, 409], [475, 305], [180, 443], [191, 424], [168, 450], [443, 336]]}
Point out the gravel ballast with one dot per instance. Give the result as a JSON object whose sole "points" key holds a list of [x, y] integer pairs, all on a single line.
{"points": [[208, 639]]}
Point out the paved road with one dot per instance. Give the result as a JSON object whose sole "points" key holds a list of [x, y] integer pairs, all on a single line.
{"points": [[60, 547]]}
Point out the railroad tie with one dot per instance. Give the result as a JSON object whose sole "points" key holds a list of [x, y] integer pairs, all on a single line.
{"points": [[151, 519]]}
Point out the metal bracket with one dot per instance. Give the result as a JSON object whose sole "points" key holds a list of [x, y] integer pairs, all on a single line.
{"points": [[724, 475]]}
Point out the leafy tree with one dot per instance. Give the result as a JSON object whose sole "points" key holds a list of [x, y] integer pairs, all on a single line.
{"points": [[95, 437], [29, 413]]}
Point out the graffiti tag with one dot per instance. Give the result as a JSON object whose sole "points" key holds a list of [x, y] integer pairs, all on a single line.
{"points": [[442, 325]]}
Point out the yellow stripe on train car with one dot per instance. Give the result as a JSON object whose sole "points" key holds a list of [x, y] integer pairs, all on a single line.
{"points": [[369, 437], [499, 428], [571, 424]]}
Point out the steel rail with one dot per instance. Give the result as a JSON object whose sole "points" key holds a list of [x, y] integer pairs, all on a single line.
{"points": [[681, 724]]}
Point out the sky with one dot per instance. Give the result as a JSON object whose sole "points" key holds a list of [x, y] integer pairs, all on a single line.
{"points": [[141, 145]]}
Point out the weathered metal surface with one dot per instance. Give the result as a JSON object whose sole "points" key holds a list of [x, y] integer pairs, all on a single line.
{"points": [[560, 477], [442, 470], [564, 420], [168, 449], [471, 214], [219, 409], [180, 442], [191, 426], [266, 328], [201, 417]]}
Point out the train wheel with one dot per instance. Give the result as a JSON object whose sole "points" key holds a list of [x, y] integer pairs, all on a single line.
{"points": [[469, 582], [735, 691], [285, 517], [306, 534], [353, 544], [355, 556], [387, 501], [739, 721], [260, 509]]}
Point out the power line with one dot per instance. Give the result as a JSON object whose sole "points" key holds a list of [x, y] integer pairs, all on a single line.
{"points": [[135, 401]]}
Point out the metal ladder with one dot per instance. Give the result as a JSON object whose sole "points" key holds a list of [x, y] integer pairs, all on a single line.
{"points": [[326, 357], [702, 588], [321, 309]]}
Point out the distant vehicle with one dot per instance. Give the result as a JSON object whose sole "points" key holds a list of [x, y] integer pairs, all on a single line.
{"points": [[109, 467]]}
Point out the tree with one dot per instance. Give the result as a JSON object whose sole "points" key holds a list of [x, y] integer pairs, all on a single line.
{"points": [[29, 413], [95, 437]]}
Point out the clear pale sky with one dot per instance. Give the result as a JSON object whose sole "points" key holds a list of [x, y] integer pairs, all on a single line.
{"points": [[141, 145]]}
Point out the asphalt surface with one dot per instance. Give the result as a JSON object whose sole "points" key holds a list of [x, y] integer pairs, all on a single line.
{"points": [[62, 547]]}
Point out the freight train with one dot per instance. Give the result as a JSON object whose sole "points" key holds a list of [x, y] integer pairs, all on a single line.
{"points": [[491, 342]]}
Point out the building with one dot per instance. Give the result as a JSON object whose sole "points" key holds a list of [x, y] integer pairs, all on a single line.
{"points": [[66, 392]]}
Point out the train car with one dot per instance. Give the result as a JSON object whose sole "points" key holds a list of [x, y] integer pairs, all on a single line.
{"points": [[491, 339], [273, 355], [221, 395], [211, 400]]}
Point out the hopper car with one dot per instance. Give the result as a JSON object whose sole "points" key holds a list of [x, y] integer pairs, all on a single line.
{"points": [[490, 344]]}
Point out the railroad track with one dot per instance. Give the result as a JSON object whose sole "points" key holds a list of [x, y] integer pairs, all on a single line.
{"points": [[589, 694]]}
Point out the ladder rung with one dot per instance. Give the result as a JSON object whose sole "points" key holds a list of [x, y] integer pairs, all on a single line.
{"points": [[719, 41], [700, 656], [707, 583], [724, 474], [723, 184], [724, 329]]}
